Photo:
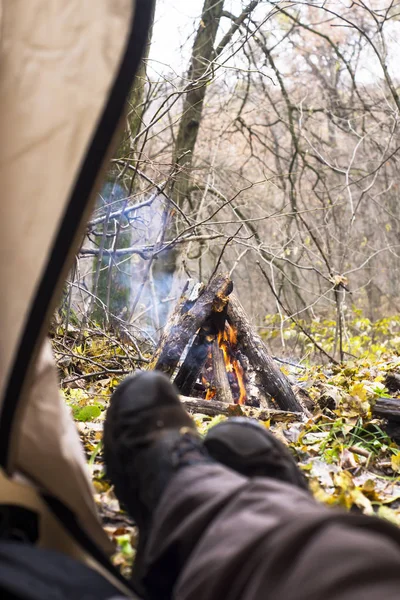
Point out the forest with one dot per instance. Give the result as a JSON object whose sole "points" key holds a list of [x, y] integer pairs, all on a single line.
{"points": [[246, 241]]}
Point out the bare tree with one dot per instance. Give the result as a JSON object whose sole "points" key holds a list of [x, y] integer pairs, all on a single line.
{"points": [[278, 146]]}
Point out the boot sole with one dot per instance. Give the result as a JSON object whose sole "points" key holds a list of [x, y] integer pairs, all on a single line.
{"points": [[250, 449]]}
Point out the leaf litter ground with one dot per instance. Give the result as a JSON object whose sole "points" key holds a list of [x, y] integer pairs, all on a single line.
{"points": [[346, 454]]}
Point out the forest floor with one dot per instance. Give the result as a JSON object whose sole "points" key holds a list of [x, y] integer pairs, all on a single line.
{"points": [[346, 454]]}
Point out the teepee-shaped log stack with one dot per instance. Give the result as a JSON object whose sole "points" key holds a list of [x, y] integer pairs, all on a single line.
{"points": [[211, 351]]}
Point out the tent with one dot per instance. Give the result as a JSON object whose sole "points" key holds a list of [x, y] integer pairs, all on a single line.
{"points": [[66, 70]]}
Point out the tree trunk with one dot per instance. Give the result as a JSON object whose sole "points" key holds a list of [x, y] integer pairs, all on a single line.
{"points": [[198, 76], [111, 283], [135, 104]]}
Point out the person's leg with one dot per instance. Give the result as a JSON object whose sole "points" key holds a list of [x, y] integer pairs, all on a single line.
{"points": [[219, 535], [208, 532], [148, 437]]}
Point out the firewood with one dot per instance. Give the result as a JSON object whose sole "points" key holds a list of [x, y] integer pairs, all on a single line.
{"points": [[254, 391], [387, 408], [392, 382], [213, 408], [180, 307], [185, 323], [221, 384], [193, 364], [270, 377]]}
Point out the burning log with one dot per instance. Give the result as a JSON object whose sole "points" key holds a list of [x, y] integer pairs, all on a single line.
{"points": [[186, 322], [227, 341], [270, 378], [226, 353], [221, 382], [194, 361], [254, 391], [180, 308]]}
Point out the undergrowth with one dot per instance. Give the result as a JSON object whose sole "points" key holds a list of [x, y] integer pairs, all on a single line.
{"points": [[362, 338], [344, 451]]}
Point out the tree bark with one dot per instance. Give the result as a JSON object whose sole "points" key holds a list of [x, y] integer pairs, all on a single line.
{"points": [[270, 377], [198, 76]]}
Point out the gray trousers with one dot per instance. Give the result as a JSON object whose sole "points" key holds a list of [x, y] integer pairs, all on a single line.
{"points": [[219, 536]]}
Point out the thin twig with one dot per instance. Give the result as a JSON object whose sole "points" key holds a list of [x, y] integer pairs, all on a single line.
{"points": [[306, 333], [232, 237]]}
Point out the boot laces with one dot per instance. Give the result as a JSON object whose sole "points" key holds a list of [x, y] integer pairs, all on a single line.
{"points": [[188, 450]]}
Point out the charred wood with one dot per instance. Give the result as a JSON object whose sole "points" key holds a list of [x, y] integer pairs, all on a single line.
{"points": [[185, 323], [181, 306], [220, 383], [193, 364], [392, 382], [271, 378], [254, 394]]}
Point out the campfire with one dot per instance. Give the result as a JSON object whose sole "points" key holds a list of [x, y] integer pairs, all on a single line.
{"points": [[225, 348], [213, 354]]}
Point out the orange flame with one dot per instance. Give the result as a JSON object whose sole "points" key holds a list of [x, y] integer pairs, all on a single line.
{"points": [[210, 393], [227, 340]]}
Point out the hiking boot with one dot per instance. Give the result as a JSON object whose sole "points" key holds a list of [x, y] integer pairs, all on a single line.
{"points": [[247, 447], [148, 436]]}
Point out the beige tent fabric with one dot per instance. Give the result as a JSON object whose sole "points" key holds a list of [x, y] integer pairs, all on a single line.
{"points": [[58, 60], [53, 535], [49, 449]]}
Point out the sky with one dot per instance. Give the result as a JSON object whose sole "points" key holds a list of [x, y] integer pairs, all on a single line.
{"points": [[176, 21], [174, 27]]}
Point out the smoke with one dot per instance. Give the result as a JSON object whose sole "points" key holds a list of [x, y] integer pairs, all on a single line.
{"points": [[137, 287]]}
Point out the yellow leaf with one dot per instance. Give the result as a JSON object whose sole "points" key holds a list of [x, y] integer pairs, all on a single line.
{"points": [[396, 463], [343, 480], [362, 501], [389, 514], [359, 390], [368, 487]]}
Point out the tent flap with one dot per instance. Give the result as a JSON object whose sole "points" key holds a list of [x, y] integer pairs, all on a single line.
{"points": [[66, 71]]}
